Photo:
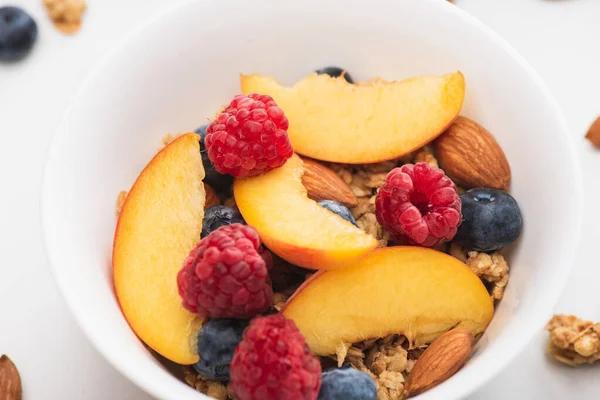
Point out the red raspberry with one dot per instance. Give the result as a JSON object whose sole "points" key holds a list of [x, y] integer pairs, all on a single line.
{"points": [[418, 204], [273, 362], [249, 137], [226, 275]]}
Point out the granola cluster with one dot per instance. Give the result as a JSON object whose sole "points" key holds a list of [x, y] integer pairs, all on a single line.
{"points": [[213, 389], [66, 14], [573, 341], [388, 361], [492, 268]]}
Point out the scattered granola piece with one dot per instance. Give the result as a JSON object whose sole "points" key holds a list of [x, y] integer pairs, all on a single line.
{"points": [[426, 155], [121, 201], [66, 14], [593, 133], [573, 341]]}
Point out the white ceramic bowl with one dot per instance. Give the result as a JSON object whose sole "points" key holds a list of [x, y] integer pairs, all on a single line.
{"points": [[175, 71]]}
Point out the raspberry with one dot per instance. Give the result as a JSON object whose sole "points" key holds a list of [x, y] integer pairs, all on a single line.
{"points": [[418, 204], [226, 275], [249, 137], [273, 362]]}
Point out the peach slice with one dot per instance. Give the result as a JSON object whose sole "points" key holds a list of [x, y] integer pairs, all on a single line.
{"points": [[294, 227], [414, 291], [333, 120], [160, 223]]}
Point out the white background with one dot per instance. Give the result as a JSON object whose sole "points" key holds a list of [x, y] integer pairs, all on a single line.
{"points": [[560, 38]]}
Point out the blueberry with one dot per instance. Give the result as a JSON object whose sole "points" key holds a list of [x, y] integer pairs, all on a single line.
{"points": [[491, 220], [347, 384], [217, 340], [339, 209], [219, 182], [334, 72], [218, 216], [18, 32]]}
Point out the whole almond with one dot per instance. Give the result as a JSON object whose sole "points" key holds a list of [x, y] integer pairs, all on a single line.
{"points": [[322, 183], [471, 157], [593, 133], [439, 361], [211, 197], [10, 381]]}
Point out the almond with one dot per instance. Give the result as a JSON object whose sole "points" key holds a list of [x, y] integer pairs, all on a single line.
{"points": [[593, 133], [322, 183], [10, 381], [471, 157], [211, 197], [439, 361]]}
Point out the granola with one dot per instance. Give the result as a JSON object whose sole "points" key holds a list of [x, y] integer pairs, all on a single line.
{"points": [[121, 201], [213, 389], [492, 269], [573, 341], [66, 14], [387, 360]]}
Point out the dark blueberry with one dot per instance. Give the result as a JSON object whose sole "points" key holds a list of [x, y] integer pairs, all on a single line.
{"points": [[221, 183], [217, 340], [491, 220], [218, 216], [334, 72], [18, 32], [339, 209], [347, 384]]}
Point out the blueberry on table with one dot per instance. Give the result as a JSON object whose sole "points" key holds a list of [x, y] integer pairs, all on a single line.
{"points": [[213, 178], [334, 72], [18, 32], [491, 220], [347, 384], [217, 340], [339, 209], [218, 216]]}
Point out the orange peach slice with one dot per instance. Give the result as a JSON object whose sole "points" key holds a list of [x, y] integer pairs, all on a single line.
{"points": [[159, 225], [333, 120], [294, 227], [414, 291]]}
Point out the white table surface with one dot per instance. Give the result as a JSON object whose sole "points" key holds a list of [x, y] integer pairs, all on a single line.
{"points": [[560, 38]]}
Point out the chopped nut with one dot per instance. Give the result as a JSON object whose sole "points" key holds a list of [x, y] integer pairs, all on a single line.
{"points": [[66, 14], [573, 341], [121, 201]]}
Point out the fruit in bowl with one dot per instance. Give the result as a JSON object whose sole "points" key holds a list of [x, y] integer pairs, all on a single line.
{"points": [[196, 285], [430, 37]]}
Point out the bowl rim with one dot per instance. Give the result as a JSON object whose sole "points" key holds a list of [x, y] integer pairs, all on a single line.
{"points": [[154, 389]]}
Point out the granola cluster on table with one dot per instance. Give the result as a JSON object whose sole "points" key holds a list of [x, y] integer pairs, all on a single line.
{"points": [[573, 341]]}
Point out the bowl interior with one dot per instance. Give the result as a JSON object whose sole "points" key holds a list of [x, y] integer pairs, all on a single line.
{"points": [[173, 74]]}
